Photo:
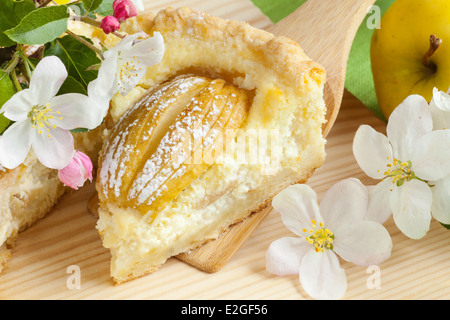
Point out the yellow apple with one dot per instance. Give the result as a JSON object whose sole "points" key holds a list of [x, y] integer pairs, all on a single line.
{"points": [[410, 52]]}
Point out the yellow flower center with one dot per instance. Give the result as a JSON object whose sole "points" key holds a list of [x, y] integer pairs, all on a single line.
{"points": [[399, 171], [322, 238], [128, 69], [40, 118]]}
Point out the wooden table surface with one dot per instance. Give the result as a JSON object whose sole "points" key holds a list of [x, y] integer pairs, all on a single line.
{"points": [[40, 264]]}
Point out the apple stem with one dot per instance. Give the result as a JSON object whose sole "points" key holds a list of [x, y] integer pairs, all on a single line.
{"points": [[435, 43]]}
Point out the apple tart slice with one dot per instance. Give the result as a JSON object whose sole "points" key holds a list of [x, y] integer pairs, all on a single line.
{"points": [[230, 117]]}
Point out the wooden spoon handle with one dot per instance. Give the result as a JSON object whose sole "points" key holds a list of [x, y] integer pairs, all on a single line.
{"points": [[325, 29]]}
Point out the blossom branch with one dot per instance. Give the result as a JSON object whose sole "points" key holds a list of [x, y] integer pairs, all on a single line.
{"points": [[12, 64], [85, 42], [15, 80], [44, 4]]}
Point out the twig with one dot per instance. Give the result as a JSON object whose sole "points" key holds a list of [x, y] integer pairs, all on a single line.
{"points": [[86, 43]]}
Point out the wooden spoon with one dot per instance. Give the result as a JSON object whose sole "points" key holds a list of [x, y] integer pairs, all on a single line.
{"points": [[325, 29]]}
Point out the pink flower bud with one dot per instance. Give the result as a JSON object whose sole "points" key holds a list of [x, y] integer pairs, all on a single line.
{"points": [[76, 173], [109, 24], [124, 9]]}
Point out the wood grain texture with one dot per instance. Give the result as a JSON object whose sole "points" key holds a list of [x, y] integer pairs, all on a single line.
{"points": [[417, 269]]}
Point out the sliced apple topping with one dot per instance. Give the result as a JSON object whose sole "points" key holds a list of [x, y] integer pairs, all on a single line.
{"points": [[168, 139], [140, 130]]}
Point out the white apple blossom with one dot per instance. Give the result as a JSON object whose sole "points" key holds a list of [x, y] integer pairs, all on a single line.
{"points": [[125, 64], [335, 228], [410, 161], [43, 120]]}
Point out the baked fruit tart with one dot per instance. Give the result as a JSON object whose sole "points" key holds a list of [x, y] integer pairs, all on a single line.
{"points": [[231, 116]]}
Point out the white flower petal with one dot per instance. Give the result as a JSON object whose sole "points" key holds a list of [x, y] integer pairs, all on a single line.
{"points": [[440, 208], [76, 111], [409, 121], [138, 4], [15, 144], [133, 62], [126, 83], [124, 45], [104, 85], [372, 151], [150, 51], [297, 205], [411, 208], [379, 207], [101, 105], [20, 104], [345, 202], [440, 109], [321, 275], [47, 78], [102, 89], [55, 151], [430, 156], [441, 100], [285, 255], [363, 243], [129, 60]]}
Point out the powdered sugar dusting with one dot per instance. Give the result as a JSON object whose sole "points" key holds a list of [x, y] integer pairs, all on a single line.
{"points": [[176, 150], [119, 150]]}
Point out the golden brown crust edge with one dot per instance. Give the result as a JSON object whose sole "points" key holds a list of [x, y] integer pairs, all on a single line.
{"points": [[280, 54]]}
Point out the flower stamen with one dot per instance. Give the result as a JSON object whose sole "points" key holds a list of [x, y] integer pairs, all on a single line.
{"points": [[40, 116], [128, 68], [322, 238], [399, 171]]}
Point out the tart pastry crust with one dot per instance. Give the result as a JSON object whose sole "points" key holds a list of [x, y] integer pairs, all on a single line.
{"points": [[284, 121]]}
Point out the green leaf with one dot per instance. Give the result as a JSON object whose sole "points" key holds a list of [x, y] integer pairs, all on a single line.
{"points": [[106, 8], [76, 57], [279, 9], [7, 90], [40, 26], [4, 123], [80, 11], [72, 85], [10, 15], [447, 226], [23, 8], [91, 5]]}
